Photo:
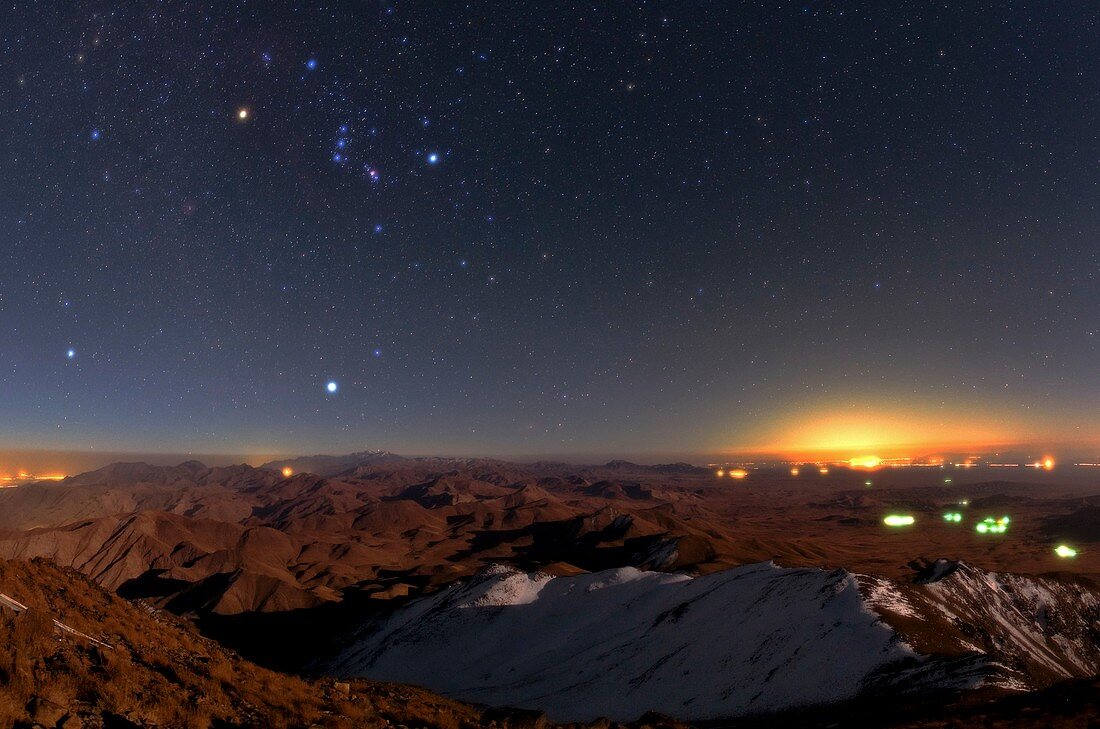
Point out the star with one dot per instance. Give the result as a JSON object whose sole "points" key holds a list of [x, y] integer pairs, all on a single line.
{"points": [[243, 114], [311, 64], [433, 158], [71, 354], [332, 386], [95, 134]]}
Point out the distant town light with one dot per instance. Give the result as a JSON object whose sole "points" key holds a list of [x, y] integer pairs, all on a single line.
{"points": [[865, 462], [989, 525], [899, 520]]}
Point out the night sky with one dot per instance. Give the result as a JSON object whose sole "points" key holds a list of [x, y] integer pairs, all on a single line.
{"points": [[548, 227]]}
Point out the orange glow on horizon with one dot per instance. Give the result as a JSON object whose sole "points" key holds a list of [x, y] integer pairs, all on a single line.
{"points": [[287, 471], [868, 462], [849, 430], [738, 473], [24, 476]]}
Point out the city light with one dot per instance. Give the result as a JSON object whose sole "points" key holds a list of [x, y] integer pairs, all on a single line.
{"points": [[898, 520], [989, 525]]}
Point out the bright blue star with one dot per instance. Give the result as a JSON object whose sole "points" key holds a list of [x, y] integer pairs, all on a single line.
{"points": [[433, 158], [378, 353], [311, 64], [331, 386], [95, 135], [341, 143], [378, 228], [337, 157], [71, 354]]}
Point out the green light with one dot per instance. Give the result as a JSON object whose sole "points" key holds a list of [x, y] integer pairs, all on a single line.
{"points": [[953, 516], [989, 525], [1063, 551], [897, 520]]}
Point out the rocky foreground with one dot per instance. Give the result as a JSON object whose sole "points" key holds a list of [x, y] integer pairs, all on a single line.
{"points": [[114, 664]]}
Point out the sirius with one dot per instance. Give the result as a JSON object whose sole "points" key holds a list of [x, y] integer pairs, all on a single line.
{"points": [[331, 386]]}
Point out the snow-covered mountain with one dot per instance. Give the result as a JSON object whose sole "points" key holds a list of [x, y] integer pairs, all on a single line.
{"points": [[749, 640]]}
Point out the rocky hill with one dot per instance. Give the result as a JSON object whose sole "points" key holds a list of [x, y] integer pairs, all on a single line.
{"points": [[74, 656]]}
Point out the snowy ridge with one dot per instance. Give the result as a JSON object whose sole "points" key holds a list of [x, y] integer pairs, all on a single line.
{"points": [[618, 643], [749, 640], [1038, 629]]}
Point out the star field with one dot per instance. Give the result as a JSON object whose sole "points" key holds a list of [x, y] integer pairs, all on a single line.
{"points": [[544, 227]]}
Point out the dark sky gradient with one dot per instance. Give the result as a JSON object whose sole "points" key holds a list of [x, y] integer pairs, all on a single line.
{"points": [[650, 226]]}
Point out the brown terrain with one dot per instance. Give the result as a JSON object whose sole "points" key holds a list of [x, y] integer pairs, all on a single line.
{"points": [[245, 551], [77, 656]]}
